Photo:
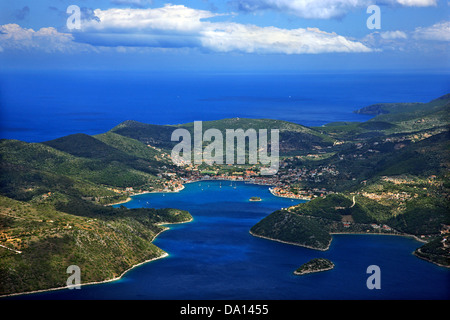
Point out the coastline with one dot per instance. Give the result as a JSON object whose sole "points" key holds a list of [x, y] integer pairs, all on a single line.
{"points": [[344, 233], [162, 256], [288, 197], [292, 243], [414, 253], [428, 260], [313, 271], [302, 273], [120, 202], [382, 234], [130, 197]]}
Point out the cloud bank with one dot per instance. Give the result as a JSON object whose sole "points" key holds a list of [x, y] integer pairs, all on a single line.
{"points": [[432, 38], [14, 37], [320, 9], [178, 26], [174, 26], [439, 32]]}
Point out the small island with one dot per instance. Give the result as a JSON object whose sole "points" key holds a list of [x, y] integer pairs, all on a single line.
{"points": [[255, 199], [315, 265]]}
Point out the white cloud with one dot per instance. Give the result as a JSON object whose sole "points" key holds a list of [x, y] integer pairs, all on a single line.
{"points": [[176, 26], [413, 41], [12, 36], [134, 3], [180, 26], [172, 26], [253, 39], [311, 9], [175, 18], [417, 3], [391, 35], [388, 41], [321, 9], [439, 32]]}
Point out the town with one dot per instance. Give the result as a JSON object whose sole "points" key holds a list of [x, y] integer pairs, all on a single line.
{"points": [[286, 183]]}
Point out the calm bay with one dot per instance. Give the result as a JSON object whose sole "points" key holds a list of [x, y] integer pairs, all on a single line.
{"points": [[214, 257]]}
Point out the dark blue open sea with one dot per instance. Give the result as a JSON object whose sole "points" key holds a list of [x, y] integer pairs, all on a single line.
{"points": [[44, 105], [215, 257]]}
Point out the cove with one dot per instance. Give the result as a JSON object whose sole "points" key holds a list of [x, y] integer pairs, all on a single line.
{"points": [[214, 257]]}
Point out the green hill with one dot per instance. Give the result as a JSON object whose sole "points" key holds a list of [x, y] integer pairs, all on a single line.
{"points": [[294, 138], [390, 175], [149, 134], [45, 241], [426, 157], [129, 146], [33, 168], [59, 220], [294, 229], [391, 118], [84, 146]]}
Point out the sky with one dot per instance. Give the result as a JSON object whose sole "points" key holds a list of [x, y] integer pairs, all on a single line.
{"points": [[225, 36]]}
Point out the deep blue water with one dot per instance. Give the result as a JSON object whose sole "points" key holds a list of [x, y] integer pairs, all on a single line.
{"points": [[215, 257], [39, 106]]}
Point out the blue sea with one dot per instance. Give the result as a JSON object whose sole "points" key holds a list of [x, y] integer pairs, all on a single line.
{"points": [[43, 105], [215, 258]]}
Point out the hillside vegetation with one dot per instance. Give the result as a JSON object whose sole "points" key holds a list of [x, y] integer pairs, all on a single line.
{"points": [[392, 118], [44, 241], [387, 178]]}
